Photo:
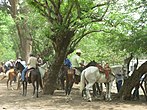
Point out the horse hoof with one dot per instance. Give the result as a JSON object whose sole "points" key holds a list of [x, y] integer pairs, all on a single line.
{"points": [[33, 96], [84, 98], [110, 99], [70, 98], [89, 100]]}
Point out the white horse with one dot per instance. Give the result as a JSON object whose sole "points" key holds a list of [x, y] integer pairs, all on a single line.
{"points": [[43, 69], [91, 75]]}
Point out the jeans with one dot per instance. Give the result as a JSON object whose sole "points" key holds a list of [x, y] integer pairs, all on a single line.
{"points": [[24, 73], [118, 85]]}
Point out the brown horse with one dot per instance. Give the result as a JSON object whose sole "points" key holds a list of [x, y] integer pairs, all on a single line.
{"points": [[11, 74], [35, 77]]}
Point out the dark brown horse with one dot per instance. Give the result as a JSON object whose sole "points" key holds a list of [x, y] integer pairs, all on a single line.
{"points": [[35, 77]]}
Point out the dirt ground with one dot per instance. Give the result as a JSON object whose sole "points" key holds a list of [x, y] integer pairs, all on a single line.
{"points": [[13, 100]]}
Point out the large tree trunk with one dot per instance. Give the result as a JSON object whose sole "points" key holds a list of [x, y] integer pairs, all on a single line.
{"points": [[52, 76], [25, 42], [132, 81], [25, 45], [61, 46]]}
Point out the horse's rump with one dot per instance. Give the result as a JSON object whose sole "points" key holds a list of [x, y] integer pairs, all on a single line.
{"points": [[71, 75], [28, 74], [12, 72], [75, 74], [71, 71]]}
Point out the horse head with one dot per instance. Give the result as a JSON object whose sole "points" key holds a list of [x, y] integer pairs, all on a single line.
{"points": [[91, 63], [19, 66]]}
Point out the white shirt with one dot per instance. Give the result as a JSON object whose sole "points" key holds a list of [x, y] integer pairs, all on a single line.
{"points": [[75, 60], [32, 62]]}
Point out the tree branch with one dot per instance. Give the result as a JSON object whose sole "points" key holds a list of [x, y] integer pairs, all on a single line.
{"points": [[101, 18], [68, 13]]}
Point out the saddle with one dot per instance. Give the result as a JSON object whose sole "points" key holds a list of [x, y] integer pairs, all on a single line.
{"points": [[28, 75], [104, 71], [71, 73]]}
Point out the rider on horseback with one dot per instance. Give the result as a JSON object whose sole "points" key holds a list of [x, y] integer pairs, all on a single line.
{"points": [[76, 64], [76, 59], [31, 64], [67, 63]]}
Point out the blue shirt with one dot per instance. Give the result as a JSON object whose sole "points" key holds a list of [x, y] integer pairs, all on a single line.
{"points": [[67, 62]]}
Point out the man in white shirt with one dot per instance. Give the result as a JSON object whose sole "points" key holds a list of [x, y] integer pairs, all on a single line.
{"points": [[8, 65], [76, 59], [31, 64]]}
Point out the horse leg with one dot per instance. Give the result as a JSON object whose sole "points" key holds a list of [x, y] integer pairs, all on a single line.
{"points": [[18, 81], [94, 90], [88, 86], [25, 88], [33, 83], [99, 88], [11, 85], [23, 83], [62, 83], [8, 83], [108, 91], [69, 89], [66, 89], [37, 84], [41, 84]]}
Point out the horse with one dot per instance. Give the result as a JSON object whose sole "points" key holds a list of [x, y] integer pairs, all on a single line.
{"points": [[71, 76], [35, 77], [11, 74], [43, 70], [92, 74]]}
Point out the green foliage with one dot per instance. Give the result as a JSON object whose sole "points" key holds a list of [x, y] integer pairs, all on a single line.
{"points": [[6, 42], [120, 33]]}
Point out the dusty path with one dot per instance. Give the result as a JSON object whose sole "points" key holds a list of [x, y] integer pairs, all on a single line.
{"points": [[13, 100]]}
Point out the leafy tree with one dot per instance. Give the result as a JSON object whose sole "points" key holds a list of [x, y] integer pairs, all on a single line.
{"points": [[69, 22]]}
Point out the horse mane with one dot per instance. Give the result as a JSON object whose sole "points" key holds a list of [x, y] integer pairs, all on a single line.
{"points": [[19, 66]]}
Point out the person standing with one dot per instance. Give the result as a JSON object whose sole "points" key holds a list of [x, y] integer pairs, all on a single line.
{"points": [[119, 81], [39, 60]]}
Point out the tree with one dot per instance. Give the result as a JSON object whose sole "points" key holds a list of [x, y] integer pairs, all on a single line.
{"points": [[15, 8], [69, 21]]}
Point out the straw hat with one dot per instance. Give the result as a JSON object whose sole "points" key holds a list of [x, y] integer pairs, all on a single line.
{"points": [[78, 51]]}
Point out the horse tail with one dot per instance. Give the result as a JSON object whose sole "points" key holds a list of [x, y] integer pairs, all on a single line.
{"points": [[82, 85], [3, 77]]}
